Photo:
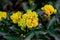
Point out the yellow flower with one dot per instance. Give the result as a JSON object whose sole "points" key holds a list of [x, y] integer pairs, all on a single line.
{"points": [[15, 17], [22, 24], [3, 15], [49, 9], [32, 23], [55, 11], [31, 19]]}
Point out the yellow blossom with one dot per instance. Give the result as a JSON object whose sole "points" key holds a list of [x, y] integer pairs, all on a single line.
{"points": [[22, 23], [49, 9], [32, 23], [3, 15], [15, 17], [55, 11], [31, 19]]}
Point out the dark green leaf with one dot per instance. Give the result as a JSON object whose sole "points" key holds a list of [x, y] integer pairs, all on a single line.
{"points": [[29, 36], [25, 7], [33, 6], [55, 36], [40, 12], [51, 22]]}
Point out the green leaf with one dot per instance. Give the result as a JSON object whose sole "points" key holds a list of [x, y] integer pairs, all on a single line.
{"points": [[40, 32], [55, 36], [50, 26], [29, 36], [57, 3], [51, 22], [58, 17], [40, 12], [16, 30], [11, 37], [25, 7], [33, 6]]}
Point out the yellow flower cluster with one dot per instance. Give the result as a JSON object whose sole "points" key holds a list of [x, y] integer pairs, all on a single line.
{"points": [[22, 23], [49, 9], [30, 18], [15, 17], [3, 15]]}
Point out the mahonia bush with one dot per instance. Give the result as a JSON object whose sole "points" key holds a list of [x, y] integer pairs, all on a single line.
{"points": [[29, 19]]}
